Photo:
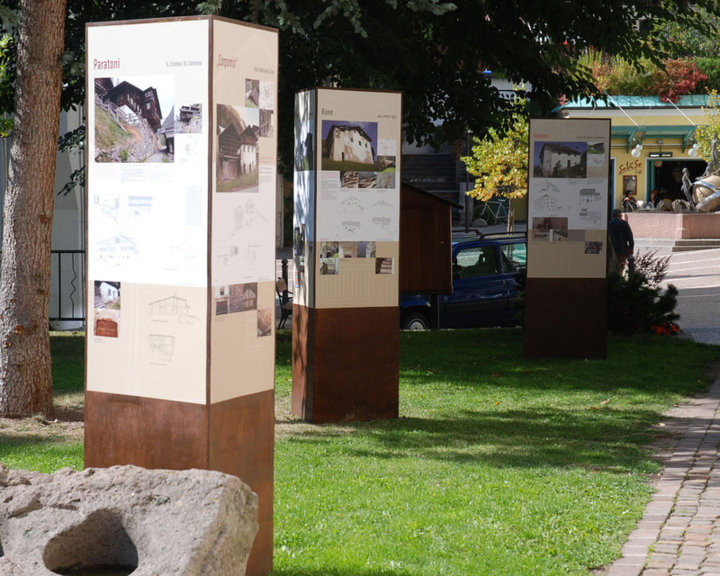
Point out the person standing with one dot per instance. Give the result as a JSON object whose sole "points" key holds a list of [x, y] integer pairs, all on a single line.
{"points": [[620, 240]]}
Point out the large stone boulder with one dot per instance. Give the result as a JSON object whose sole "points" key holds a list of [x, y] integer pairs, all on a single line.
{"points": [[127, 520]]}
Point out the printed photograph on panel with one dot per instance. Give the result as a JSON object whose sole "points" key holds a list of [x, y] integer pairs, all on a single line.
{"points": [[266, 123], [367, 180], [328, 266], [386, 163], [348, 249], [134, 119], [560, 159], [107, 308], [596, 154], [593, 247], [222, 300], [238, 135], [349, 146], [189, 119], [252, 93], [264, 322], [386, 180], [366, 249], [349, 179], [330, 250], [383, 265], [550, 229], [243, 297]]}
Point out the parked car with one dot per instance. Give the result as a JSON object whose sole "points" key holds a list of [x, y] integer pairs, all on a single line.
{"points": [[488, 276]]}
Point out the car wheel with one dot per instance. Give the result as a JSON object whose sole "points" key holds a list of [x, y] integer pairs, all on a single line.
{"points": [[415, 321]]}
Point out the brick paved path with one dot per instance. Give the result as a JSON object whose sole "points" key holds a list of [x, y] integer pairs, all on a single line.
{"points": [[679, 535]]}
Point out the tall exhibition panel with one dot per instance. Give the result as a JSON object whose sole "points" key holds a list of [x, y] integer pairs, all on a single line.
{"points": [[346, 249], [181, 173], [568, 198]]}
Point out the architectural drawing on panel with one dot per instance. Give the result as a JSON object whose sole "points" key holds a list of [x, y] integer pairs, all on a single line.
{"points": [[383, 204], [546, 203], [139, 205], [589, 196], [162, 347], [247, 215], [118, 249], [226, 254], [590, 216], [352, 205], [350, 226], [173, 307]]}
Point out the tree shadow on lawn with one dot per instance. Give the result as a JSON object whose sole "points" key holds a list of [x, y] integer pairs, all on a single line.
{"points": [[604, 440]]}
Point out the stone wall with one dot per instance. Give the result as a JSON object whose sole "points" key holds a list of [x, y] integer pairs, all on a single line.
{"points": [[674, 225]]}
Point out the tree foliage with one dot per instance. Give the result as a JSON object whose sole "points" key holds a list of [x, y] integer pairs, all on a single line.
{"points": [[499, 161], [435, 51], [709, 130], [669, 79]]}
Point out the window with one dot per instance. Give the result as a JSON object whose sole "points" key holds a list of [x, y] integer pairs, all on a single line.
{"points": [[477, 261], [514, 257]]}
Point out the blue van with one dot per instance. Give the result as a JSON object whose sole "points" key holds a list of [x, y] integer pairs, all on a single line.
{"points": [[488, 278]]}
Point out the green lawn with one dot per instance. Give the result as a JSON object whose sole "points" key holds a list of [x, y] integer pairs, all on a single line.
{"points": [[498, 465]]}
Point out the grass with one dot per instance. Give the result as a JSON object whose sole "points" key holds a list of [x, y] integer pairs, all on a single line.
{"points": [[36, 444], [498, 465]]}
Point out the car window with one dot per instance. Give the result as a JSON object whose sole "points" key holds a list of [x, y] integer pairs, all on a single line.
{"points": [[475, 261], [514, 256]]}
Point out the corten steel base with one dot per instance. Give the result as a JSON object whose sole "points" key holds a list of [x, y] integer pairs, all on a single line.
{"points": [[235, 437], [566, 317], [346, 363]]}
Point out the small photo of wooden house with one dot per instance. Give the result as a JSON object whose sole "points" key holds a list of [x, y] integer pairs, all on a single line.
{"points": [[107, 294], [238, 136], [189, 119], [243, 297], [349, 145], [134, 106], [266, 123]]}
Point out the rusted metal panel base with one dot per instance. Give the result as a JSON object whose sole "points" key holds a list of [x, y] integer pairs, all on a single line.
{"points": [[235, 437], [145, 432], [242, 435], [566, 317], [346, 363]]}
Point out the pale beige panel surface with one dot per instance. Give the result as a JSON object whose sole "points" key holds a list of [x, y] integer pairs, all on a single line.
{"points": [[160, 351], [568, 258], [357, 282], [243, 350]]}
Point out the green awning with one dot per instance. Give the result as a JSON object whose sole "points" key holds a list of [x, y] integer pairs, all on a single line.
{"points": [[636, 134]]}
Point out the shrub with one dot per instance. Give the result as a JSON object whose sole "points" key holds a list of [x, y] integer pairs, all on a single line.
{"points": [[636, 300]]}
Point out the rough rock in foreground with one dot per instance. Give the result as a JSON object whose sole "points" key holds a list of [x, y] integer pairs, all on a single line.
{"points": [[150, 522]]}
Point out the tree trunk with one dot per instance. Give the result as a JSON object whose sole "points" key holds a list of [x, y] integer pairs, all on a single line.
{"points": [[25, 363]]}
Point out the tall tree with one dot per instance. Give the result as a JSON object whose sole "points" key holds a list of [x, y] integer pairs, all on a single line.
{"points": [[25, 363]]}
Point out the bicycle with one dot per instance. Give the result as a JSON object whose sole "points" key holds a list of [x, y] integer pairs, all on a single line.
{"points": [[494, 211]]}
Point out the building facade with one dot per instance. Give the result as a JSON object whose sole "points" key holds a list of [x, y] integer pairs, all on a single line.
{"points": [[652, 141]]}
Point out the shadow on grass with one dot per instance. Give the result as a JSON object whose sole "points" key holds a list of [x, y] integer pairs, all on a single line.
{"points": [[610, 440]]}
